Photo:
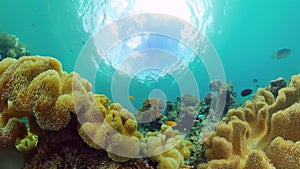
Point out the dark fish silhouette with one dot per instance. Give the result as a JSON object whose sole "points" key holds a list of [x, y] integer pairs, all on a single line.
{"points": [[246, 92], [282, 53], [254, 80]]}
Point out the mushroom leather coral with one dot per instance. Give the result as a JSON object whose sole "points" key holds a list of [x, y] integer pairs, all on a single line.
{"points": [[256, 135], [37, 88], [116, 132], [8, 134], [168, 148], [114, 129]]}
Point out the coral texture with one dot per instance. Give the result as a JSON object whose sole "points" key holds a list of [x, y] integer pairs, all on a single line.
{"points": [[64, 149], [10, 46], [57, 103], [149, 115], [255, 136], [8, 134], [28, 143], [219, 105], [168, 147], [36, 87], [112, 128]]}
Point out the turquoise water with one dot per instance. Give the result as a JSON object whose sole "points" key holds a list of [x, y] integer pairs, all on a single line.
{"points": [[245, 34]]}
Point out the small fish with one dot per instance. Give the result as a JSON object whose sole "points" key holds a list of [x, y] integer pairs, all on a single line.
{"points": [[33, 25], [171, 123], [131, 98], [282, 53], [246, 92], [254, 80]]}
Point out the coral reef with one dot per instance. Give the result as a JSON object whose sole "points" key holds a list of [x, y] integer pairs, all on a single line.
{"points": [[10, 46], [276, 85], [220, 104], [63, 149], [208, 104], [138, 164], [149, 115], [112, 128], [13, 130], [188, 108], [36, 87], [73, 125], [169, 146], [198, 153], [256, 135], [183, 112]]}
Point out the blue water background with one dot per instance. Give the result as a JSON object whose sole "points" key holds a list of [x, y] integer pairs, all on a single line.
{"points": [[245, 35]]}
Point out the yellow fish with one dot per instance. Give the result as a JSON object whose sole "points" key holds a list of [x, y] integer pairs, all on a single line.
{"points": [[131, 98], [171, 123]]}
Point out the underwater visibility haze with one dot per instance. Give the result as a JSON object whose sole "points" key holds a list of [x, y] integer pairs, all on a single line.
{"points": [[164, 69]]}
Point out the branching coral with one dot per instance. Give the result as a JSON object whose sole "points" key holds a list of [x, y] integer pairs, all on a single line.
{"points": [[263, 123]]}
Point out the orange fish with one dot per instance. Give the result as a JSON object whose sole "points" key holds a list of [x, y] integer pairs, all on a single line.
{"points": [[171, 123], [131, 98]]}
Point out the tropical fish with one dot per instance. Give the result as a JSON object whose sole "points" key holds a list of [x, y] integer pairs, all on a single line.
{"points": [[282, 53], [246, 92], [131, 98], [171, 123]]}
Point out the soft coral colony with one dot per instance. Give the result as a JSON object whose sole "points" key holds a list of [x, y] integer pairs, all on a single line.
{"points": [[262, 134], [265, 133], [36, 88]]}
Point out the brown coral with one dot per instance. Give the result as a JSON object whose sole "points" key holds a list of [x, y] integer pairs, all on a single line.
{"points": [[8, 134], [37, 88], [263, 123], [115, 130], [118, 135]]}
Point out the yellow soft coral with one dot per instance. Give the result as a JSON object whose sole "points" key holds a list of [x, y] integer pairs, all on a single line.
{"points": [[115, 130], [284, 154], [168, 148], [254, 136], [13, 130], [37, 88], [118, 135]]}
